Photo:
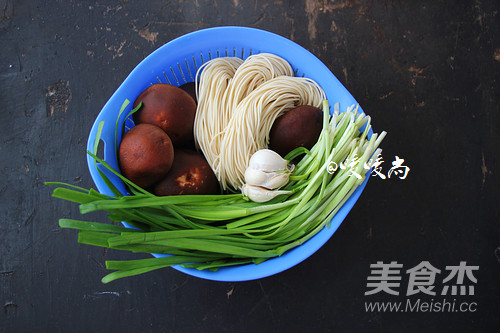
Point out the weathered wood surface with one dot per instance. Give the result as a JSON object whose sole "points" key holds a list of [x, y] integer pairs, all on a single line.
{"points": [[427, 73]]}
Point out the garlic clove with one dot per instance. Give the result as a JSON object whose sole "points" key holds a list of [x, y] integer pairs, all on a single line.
{"points": [[278, 180], [268, 161], [269, 180], [255, 176], [259, 194]]}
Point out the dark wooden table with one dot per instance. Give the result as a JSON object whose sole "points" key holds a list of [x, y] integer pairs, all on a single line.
{"points": [[427, 72]]}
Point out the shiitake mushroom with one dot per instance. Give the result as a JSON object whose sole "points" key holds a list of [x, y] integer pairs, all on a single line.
{"points": [[190, 88], [299, 127], [145, 154], [170, 108], [190, 174]]}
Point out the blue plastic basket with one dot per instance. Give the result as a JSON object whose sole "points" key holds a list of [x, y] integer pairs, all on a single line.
{"points": [[176, 63]]}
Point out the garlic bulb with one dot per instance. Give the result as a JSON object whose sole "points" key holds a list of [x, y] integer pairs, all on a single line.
{"points": [[260, 194], [266, 171]]}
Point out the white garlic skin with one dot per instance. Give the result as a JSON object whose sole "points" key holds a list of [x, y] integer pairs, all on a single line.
{"points": [[260, 194]]}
